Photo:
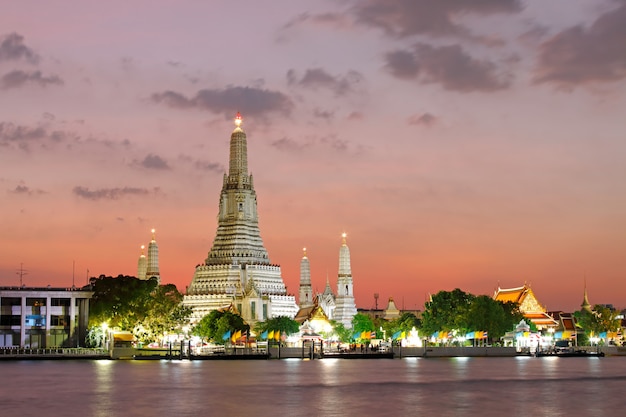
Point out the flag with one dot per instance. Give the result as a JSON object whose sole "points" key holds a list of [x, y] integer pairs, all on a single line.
{"points": [[396, 335], [264, 335], [403, 335], [356, 335], [372, 335], [277, 335], [226, 335], [236, 335], [270, 335]]}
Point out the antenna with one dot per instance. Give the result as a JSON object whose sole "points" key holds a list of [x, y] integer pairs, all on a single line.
{"points": [[376, 295], [73, 270], [21, 272]]}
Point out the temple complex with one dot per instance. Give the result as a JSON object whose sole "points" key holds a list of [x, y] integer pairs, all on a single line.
{"points": [[339, 307], [237, 270]]}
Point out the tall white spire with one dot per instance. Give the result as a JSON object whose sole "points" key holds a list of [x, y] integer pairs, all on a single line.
{"points": [[345, 306], [142, 265], [152, 269], [306, 290]]}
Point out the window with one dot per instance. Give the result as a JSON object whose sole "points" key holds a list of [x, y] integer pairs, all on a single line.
{"points": [[60, 302], [35, 302], [253, 308], [264, 311], [59, 320], [7, 320], [11, 301]]}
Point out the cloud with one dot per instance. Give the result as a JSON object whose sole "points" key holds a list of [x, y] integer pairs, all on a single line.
{"points": [[580, 55], [403, 18], [18, 78], [449, 66], [25, 190], [424, 119], [248, 100], [12, 133], [152, 161], [317, 78], [324, 114], [289, 145], [209, 166], [113, 193], [12, 48]]}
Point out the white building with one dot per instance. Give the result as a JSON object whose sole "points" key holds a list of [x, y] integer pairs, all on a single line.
{"points": [[43, 317], [237, 270]]}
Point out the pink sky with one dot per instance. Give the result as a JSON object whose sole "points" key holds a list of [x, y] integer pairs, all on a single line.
{"points": [[459, 144]]}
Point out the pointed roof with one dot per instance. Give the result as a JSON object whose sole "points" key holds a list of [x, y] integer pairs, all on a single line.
{"points": [[585, 304]]}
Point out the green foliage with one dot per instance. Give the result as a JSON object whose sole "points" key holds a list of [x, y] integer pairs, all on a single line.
{"points": [[284, 324], [343, 334], [405, 323], [140, 306], [457, 310], [362, 323], [217, 323], [495, 317], [600, 319], [447, 311]]}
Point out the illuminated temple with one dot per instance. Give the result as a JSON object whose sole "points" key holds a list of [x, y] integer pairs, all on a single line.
{"points": [[237, 272]]}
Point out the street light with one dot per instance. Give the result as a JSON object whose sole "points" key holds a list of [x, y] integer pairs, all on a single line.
{"points": [[105, 328]]}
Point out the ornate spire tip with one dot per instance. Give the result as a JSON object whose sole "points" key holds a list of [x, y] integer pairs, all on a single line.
{"points": [[238, 119]]}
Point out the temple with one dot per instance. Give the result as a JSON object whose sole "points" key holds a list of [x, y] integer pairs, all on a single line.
{"points": [[237, 270], [528, 305], [339, 307], [149, 267]]}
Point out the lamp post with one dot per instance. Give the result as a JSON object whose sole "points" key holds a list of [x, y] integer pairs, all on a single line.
{"points": [[105, 331]]}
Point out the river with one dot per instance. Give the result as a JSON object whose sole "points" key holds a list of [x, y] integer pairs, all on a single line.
{"points": [[514, 386]]}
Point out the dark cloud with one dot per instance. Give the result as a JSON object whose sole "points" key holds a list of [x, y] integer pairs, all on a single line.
{"points": [[112, 193], [25, 190], [289, 145], [424, 119], [14, 133], [355, 115], [324, 114], [318, 78], [18, 78], [449, 66], [152, 161], [209, 166], [579, 55], [248, 100], [12, 48], [402, 18]]}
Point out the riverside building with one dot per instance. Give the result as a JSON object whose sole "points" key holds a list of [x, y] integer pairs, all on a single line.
{"points": [[43, 317], [237, 271]]}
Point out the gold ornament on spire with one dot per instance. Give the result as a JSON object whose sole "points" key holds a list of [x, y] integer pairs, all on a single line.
{"points": [[238, 120], [304, 252], [343, 238], [153, 236]]}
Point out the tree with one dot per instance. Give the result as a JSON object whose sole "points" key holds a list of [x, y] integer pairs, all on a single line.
{"points": [[143, 307], [362, 323], [217, 323], [495, 317], [447, 311], [283, 324], [343, 334], [600, 319]]}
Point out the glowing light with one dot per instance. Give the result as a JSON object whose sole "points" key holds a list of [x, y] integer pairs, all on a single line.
{"points": [[238, 119]]}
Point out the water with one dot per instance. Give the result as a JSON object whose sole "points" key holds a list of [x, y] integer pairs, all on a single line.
{"points": [[483, 387]]}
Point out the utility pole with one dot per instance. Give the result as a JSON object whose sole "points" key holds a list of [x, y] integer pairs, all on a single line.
{"points": [[376, 300], [21, 272]]}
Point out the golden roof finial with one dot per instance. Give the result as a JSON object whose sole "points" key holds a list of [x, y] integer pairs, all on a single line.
{"points": [[142, 248], [304, 252], [343, 238], [238, 119], [153, 234]]}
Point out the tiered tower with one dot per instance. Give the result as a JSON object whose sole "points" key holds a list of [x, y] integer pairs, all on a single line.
{"points": [[142, 265], [306, 291], [237, 270], [345, 309], [152, 269]]}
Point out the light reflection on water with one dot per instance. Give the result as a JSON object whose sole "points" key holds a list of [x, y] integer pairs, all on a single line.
{"points": [[332, 387]]}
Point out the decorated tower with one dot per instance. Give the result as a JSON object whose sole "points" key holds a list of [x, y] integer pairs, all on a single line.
{"points": [[306, 291], [142, 265], [152, 269], [237, 271], [345, 309]]}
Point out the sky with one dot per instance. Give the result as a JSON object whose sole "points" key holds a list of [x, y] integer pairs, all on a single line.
{"points": [[470, 145]]}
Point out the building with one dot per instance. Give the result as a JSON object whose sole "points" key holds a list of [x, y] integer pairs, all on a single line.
{"points": [[43, 317], [345, 307], [528, 305], [149, 267], [237, 270], [306, 290]]}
